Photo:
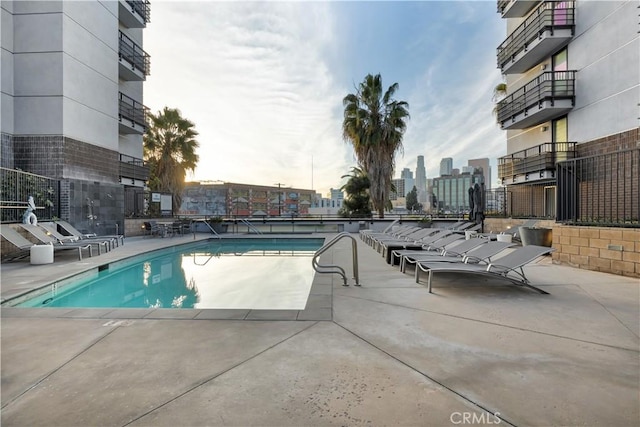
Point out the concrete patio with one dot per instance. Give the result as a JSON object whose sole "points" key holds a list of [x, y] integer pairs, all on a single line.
{"points": [[473, 352]]}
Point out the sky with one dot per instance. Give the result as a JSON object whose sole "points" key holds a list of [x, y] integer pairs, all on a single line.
{"points": [[264, 82]]}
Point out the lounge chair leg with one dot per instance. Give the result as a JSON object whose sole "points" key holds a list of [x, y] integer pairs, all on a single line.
{"points": [[429, 282]]}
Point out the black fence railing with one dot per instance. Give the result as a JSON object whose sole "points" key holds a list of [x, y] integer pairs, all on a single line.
{"points": [[132, 110], [600, 190], [550, 85], [534, 159], [134, 168], [16, 187], [142, 8], [134, 54], [136, 202], [550, 15]]}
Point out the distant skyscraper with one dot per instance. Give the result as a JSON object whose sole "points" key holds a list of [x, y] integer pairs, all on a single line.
{"points": [[409, 182], [421, 180], [486, 170], [446, 166]]}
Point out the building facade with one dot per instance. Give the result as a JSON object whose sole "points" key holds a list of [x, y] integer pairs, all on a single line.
{"points": [[484, 165], [446, 166], [451, 192], [72, 88], [245, 200], [421, 180], [573, 84]]}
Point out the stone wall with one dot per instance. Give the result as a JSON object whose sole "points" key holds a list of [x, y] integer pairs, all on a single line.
{"points": [[606, 249], [610, 250]]}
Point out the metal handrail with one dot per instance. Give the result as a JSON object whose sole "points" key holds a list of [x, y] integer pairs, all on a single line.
{"points": [[337, 269], [250, 226], [208, 225]]}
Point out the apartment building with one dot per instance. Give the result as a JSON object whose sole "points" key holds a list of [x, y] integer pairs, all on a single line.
{"points": [[573, 85], [72, 101], [245, 200]]}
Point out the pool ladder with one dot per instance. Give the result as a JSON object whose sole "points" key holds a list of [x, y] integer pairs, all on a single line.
{"points": [[335, 269]]}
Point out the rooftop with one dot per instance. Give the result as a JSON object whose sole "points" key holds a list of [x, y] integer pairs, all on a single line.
{"points": [[389, 353]]}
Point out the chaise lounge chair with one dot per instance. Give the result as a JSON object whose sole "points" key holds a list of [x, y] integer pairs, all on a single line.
{"points": [[434, 246], [41, 236], [457, 248], [23, 245], [481, 254], [508, 267], [72, 231], [51, 230]]}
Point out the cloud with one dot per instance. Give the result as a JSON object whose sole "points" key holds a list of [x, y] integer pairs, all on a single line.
{"points": [[253, 78]]}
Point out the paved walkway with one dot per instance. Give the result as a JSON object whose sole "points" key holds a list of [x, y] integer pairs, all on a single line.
{"points": [[473, 352]]}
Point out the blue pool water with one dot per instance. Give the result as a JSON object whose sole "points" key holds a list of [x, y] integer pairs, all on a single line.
{"points": [[222, 274]]}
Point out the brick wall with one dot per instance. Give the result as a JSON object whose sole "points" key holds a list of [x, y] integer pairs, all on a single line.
{"points": [[610, 250], [610, 144]]}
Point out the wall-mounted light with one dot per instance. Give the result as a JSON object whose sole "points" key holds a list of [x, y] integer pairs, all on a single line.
{"points": [[544, 128], [543, 66]]}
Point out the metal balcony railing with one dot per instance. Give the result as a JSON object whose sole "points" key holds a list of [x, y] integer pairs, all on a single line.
{"points": [[535, 159], [134, 54], [549, 16], [133, 168], [132, 110], [142, 8], [548, 86], [515, 8]]}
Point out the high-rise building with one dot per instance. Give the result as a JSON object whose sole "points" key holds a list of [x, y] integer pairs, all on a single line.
{"points": [[409, 182], [400, 192], [577, 63], [486, 169], [446, 166], [451, 192], [421, 180], [72, 86]]}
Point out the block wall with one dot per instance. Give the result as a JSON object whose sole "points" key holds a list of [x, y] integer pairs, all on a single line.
{"points": [[610, 250]]}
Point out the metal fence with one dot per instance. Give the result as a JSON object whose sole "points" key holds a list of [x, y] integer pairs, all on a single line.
{"points": [[136, 202], [600, 190], [16, 187]]}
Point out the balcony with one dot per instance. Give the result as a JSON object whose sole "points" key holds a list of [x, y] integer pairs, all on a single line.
{"points": [[515, 8], [134, 13], [535, 163], [133, 171], [548, 96], [132, 115], [133, 61], [549, 28]]}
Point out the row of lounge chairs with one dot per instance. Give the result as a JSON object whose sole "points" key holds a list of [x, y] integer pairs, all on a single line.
{"points": [[61, 235], [443, 250]]}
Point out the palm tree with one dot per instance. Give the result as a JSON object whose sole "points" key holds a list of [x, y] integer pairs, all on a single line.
{"points": [[374, 123], [170, 149], [357, 202]]}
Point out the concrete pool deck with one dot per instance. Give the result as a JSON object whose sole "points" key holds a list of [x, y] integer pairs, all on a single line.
{"points": [[389, 353]]}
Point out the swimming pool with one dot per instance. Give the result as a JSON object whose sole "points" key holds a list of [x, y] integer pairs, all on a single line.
{"points": [[267, 274]]}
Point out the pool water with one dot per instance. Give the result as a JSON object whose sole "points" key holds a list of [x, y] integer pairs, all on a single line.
{"points": [[224, 274]]}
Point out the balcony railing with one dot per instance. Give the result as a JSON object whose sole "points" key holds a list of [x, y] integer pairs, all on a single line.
{"points": [[515, 8], [134, 55], [133, 168], [535, 159], [549, 86], [132, 113], [142, 8], [550, 16]]}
